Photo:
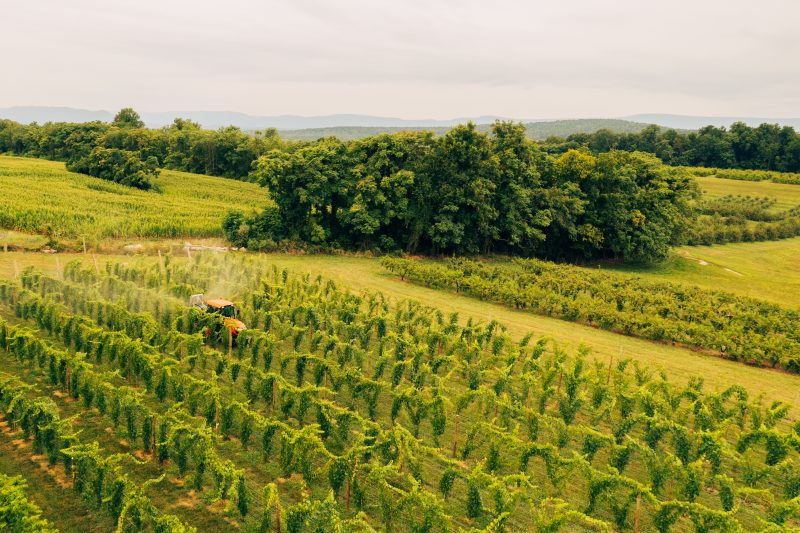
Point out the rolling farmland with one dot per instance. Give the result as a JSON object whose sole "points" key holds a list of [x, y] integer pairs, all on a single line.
{"points": [[358, 400]]}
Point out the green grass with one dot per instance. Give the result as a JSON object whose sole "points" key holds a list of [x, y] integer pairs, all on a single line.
{"points": [[43, 197], [767, 270], [15, 240], [787, 195]]}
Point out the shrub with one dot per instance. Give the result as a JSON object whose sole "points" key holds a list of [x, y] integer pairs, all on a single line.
{"points": [[120, 166]]}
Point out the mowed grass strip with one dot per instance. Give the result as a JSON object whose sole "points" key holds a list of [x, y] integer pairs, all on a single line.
{"points": [[769, 270], [43, 197]]}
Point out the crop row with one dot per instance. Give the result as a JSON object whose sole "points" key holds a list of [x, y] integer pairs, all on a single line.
{"points": [[739, 328], [295, 313]]}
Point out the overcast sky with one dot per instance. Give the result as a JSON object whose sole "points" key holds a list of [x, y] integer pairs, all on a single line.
{"points": [[406, 58]]}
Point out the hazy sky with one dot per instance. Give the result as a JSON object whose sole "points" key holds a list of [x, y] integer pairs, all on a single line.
{"points": [[406, 58]]}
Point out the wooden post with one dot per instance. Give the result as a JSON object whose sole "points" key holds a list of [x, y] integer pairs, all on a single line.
{"points": [[153, 435], [96, 268], [84, 245], [455, 436], [636, 513], [230, 341], [277, 517], [347, 495], [610, 364], [59, 272], [16, 269], [274, 392]]}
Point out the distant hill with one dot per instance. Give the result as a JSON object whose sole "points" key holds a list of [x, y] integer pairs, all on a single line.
{"points": [[535, 130], [689, 122], [348, 126], [296, 127], [218, 119], [562, 128]]}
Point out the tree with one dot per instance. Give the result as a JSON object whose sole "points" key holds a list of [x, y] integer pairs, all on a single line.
{"points": [[128, 118], [120, 166], [462, 174], [522, 208], [388, 194], [309, 188]]}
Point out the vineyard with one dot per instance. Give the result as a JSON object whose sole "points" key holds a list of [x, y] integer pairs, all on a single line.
{"points": [[17, 513], [734, 210], [338, 411], [736, 327]]}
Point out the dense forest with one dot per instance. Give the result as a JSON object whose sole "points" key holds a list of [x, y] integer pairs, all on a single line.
{"points": [[227, 152], [766, 147], [230, 152], [469, 192]]}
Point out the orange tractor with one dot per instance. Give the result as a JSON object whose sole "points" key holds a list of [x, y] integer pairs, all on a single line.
{"points": [[222, 308]]}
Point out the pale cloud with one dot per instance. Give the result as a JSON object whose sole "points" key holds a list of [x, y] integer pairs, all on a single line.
{"points": [[413, 59]]}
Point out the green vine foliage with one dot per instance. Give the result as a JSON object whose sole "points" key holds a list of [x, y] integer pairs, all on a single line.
{"points": [[452, 396]]}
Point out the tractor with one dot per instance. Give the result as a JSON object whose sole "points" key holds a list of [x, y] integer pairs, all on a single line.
{"points": [[222, 308]]}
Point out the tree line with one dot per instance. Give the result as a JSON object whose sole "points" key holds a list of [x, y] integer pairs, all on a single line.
{"points": [[229, 152], [765, 147], [468, 192], [184, 145], [585, 197], [463, 192]]}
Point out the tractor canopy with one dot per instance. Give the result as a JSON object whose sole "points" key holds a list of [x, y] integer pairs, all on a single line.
{"points": [[223, 307]]}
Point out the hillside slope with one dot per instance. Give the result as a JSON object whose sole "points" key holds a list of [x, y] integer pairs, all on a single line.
{"points": [[43, 197]]}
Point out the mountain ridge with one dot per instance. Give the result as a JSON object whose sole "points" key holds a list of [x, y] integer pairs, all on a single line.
{"points": [[245, 121]]}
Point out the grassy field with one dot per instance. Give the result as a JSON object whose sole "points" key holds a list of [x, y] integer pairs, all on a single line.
{"points": [[767, 270], [42, 197], [787, 195]]}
